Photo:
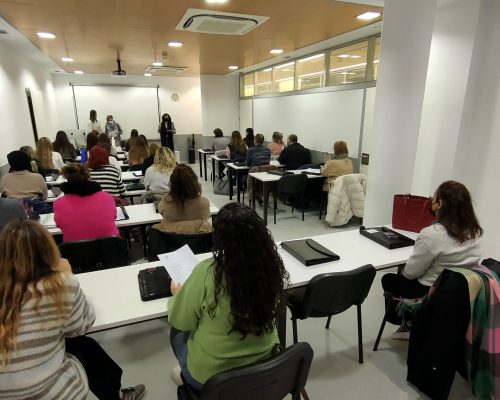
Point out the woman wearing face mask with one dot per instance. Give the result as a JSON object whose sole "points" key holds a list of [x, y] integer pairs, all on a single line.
{"points": [[451, 241], [113, 129], [166, 129]]}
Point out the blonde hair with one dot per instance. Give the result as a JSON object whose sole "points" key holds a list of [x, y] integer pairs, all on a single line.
{"points": [[164, 161], [44, 153], [28, 255]]}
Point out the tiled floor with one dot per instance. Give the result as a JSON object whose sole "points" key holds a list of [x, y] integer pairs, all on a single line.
{"points": [[143, 350]]}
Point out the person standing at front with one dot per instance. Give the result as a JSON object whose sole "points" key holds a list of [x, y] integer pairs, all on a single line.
{"points": [[166, 129]]}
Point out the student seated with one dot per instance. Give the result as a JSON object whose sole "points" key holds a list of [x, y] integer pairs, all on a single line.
{"points": [[236, 149], [339, 165], [103, 140], [85, 211], [184, 209], [294, 155], [134, 134], [249, 138], [92, 140], [258, 154], [153, 148], [452, 241], [105, 174], [21, 182], [62, 146], [157, 176], [220, 142], [277, 145], [10, 210], [43, 313], [47, 159], [224, 316], [139, 151], [32, 155]]}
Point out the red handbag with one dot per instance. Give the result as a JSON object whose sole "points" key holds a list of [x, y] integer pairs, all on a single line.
{"points": [[411, 213]]}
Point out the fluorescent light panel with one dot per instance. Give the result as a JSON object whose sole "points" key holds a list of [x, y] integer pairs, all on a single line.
{"points": [[175, 44], [216, 1], [233, 67], [157, 64], [276, 51], [46, 35], [78, 72], [147, 74], [368, 15], [67, 59]]}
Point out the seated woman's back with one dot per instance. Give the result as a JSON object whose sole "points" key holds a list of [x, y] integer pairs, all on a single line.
{"points": [[108, 177], [21, 182], [157, 177], [85, 211]]}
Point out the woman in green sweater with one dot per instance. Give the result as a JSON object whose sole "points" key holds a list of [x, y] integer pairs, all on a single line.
{"points": [[225, 314]]}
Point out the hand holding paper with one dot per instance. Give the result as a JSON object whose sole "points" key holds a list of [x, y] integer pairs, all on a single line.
{"points": [[179, 263]]}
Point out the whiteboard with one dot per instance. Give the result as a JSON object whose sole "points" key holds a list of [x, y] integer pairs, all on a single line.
{"points": [[246, 117], [318, 119], [131, 107]]}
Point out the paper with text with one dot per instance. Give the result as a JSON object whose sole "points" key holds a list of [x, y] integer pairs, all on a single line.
{"points": [[179, 263]]}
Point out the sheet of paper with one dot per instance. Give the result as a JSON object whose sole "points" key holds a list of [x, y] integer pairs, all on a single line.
{"points": [[137, 173], [179, 263], [50, 194], [119, 215], [49, 178], [47, 220]]}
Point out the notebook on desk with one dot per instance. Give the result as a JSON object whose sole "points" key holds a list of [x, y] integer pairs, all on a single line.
{"points": [[121, 213], [154, 283]]}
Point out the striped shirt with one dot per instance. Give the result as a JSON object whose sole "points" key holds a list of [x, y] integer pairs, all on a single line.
{"points": [[109, 178], [40, 368]]}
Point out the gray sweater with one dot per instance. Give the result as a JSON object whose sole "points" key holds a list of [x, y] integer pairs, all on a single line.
{"points": [[10, 210]]}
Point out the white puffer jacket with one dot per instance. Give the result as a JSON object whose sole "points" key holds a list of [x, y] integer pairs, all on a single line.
{"points": [[346, 198]]}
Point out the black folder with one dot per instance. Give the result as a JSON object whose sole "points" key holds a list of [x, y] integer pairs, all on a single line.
{"points": [[154, 283], [309, 252], [386, 237]]}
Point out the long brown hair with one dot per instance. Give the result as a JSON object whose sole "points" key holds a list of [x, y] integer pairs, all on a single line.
{"points": [[139, 151], [28, 255], [44, 153], [237, 144], [183, 185], [62, 144], [457, 213]]}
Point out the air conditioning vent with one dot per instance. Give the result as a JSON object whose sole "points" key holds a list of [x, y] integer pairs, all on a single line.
{"points": [[165, 69], [218, 23]]}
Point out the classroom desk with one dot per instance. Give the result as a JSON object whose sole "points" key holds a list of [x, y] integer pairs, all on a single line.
{"points": [[117, 302], [219, 161], [240, 171], [204, 165], [127, 176], [270, 179]]}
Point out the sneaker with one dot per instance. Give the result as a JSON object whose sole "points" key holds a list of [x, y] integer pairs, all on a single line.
{"points": [[133, 393], [176, 375], [403, 332]]}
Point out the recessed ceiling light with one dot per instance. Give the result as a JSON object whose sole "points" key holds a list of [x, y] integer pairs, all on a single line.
{"points": [[157, 64], [67, 59], [355, 56], [215, 1], [233, 67], [368, 15], [147, 74], [78, 72], [276, 51], [46, 35], [344, 56], [175, 44]]}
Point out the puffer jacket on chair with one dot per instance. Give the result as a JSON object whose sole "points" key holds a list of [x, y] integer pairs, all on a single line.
{"points": [[346, 197]]}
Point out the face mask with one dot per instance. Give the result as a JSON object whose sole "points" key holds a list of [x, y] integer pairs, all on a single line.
{"points": [[110, 121]]}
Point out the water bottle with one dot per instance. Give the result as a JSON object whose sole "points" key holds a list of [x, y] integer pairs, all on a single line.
{"points": [[83, 156]]}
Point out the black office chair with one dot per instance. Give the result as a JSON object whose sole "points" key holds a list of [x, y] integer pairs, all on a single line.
{"points": [[95, 254], [274, 379], [294, 187], [331, 294], [162, 242]]}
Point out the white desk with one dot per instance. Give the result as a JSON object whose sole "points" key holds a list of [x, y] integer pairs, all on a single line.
{"points": [[219, 161], [204, 153], [117, 301], [268, 179], [131, 176]]}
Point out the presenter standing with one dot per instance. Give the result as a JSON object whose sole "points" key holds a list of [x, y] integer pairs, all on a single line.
{"points": [[166, 129], [93, 124], [113, 129]]}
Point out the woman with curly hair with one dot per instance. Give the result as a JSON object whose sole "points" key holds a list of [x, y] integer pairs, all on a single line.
{"points": [[224, 316]]}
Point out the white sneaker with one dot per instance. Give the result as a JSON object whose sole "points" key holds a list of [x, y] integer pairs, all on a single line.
{"points": [[176, 375], [403, 332]]}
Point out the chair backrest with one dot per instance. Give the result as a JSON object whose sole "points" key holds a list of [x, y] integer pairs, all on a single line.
{"points": [[292, 184], [333, 293], [263, 168], [135, 167], [273, 379], [95, 254], [162, 242]]}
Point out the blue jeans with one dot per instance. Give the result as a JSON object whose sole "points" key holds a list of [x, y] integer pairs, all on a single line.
{"points": [[178, 341]]}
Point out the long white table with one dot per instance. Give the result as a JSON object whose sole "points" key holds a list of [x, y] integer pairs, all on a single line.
{"points": [[116, 298], [127, 176]]}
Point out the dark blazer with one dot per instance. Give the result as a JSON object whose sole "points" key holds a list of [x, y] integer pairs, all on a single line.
{"points": [[294, 156]]}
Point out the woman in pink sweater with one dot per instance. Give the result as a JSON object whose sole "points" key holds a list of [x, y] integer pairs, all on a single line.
{"points": [[85, 211]]}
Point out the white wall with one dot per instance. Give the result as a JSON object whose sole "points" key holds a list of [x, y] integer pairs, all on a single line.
{"points": [[18, 72], [186, 112], [220, 103]]}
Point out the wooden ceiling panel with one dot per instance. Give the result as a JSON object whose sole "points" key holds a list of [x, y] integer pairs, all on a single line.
{"points": [[94, 31]]}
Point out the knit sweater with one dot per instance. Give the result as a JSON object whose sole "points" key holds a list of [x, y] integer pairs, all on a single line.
{"points": [[435, 250], [109, 178], [24, 184], [212, 348], [40, 369], [157, 181]]}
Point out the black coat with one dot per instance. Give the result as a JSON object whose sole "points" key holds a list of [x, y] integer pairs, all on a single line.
{"points": [[294, 156]]}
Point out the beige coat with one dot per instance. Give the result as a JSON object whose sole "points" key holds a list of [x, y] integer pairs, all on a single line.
{"points": [[193, 218], [335, 168]]}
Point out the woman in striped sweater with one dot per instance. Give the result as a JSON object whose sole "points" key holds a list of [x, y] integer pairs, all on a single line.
{"points": [[43, 312], [102, 172]]}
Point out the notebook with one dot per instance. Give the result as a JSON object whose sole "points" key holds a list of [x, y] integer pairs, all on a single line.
{"points": [[121, 213], [154, 283], [309, 252], [386, 237]]}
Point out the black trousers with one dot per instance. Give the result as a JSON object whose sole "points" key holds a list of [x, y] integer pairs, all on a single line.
{"points": [[167, 140], [400, 286], [103, 374]]}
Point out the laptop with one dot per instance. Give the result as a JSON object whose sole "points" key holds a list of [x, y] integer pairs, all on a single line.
{"points": [[154, 283]]}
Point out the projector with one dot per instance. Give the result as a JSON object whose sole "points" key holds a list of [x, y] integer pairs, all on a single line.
{"points": [[119, 71]]}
